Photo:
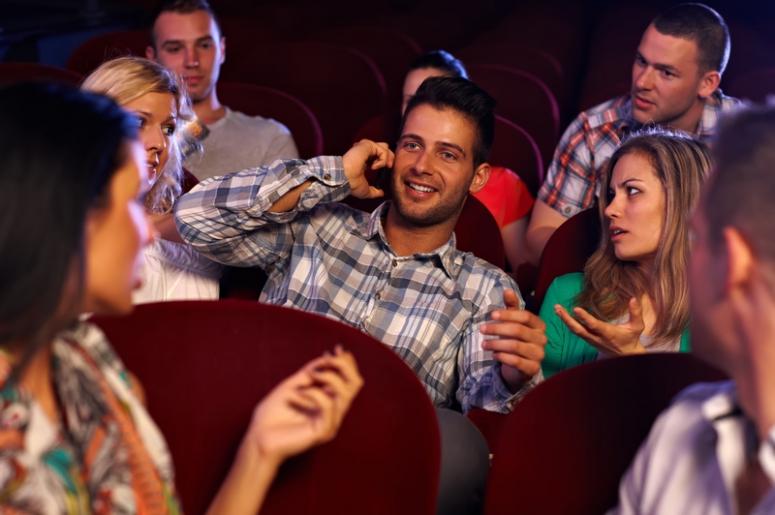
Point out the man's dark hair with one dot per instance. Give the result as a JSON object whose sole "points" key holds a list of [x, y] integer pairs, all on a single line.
{"points": [[466, 98], [182, 7], [51, 182], [741, 190], [702, 25], [440, 60]]}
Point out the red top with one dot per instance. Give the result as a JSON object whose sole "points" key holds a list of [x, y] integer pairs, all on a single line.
{"points": [[505, 196]]}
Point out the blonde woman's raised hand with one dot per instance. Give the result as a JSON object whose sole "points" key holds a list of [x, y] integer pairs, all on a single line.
{"points": [[614, 339]]}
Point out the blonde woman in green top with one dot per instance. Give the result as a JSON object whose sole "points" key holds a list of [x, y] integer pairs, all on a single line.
{"points": [[633, 296]]}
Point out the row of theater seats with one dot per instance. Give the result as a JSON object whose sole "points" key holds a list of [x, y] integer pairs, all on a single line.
{"points": [[349, 76], [476, 231], [531, 74], [589, 419]]}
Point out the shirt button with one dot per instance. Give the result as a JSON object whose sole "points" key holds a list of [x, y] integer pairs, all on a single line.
{"points": [[377, 296], [567, 210], [395, 263], [327, 177]]}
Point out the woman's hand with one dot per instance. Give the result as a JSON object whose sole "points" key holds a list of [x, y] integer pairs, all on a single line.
{"points": [[614, 339], [306, 409]]}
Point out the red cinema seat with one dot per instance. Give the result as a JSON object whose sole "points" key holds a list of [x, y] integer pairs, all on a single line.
{"points": [[553, 26], [524, 99], [567, 250], [514, 148], [271, 103], [104, 47], [391, 50], [477, 232], [565, 447], [24, 72], [341, 86], [522, 57], [206, 364]]}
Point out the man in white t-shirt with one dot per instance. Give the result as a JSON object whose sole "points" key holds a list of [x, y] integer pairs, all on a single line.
{"points": [[713, 450], [187, 39]]}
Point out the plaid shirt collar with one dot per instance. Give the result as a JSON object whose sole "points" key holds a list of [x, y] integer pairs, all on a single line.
{"points": [[448, 257], [621, 111]]}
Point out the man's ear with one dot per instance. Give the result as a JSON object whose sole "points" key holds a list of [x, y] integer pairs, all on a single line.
{"points": [[740, 259], [150, 53], [709, 83], [223, 49], [481, 176]]}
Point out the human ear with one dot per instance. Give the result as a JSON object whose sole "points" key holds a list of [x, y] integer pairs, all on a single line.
{"points": [[709, 83], [740, 259], [481, 176]]}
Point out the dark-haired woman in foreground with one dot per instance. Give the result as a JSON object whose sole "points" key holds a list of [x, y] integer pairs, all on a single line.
{"points": [[633, 296], [74, 436]]}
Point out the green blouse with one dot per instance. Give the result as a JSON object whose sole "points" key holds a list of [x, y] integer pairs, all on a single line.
{"points": [[564, 349]]}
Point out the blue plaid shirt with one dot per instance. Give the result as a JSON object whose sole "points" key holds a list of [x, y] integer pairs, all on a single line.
{"points": [[327, 258]]}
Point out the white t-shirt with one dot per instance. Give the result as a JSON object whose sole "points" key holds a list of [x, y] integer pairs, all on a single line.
{"points": [[693, 455], [237, 142], [175, 271]]}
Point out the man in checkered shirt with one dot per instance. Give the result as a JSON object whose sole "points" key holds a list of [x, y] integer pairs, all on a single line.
{"points": [[675, 82], [456, 320]]}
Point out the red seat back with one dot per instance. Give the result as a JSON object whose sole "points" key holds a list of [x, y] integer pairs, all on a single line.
{"points": [[514, 148], [477, 232], [24, 72], [565, 447], [567, 250], [524, 99], [391, 50], [271, 103], [204, 366], [104, 47], [522, 57], [341, 86]]}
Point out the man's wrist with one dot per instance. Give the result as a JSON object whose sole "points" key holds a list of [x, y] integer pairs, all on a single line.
{"points": [[513, 378]]}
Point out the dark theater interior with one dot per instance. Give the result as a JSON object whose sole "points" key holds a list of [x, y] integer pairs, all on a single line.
{"points": [[532, 272]]}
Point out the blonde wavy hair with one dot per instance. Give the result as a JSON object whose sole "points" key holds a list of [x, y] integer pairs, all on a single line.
{"points": [[681, 164], [126, 79]]}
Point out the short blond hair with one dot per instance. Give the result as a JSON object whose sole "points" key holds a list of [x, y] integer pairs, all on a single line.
{"points": [[126, 79]]}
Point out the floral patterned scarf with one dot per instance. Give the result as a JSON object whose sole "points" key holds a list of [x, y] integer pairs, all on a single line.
{"points": [[105, 455]]}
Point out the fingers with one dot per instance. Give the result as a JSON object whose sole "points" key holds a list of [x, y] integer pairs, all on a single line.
{"points": [[521, 336], [525, 350], [375, 192], [511, 299], [528, 367], [591, 323], [326, 414], [383, 156], [509, 329], [520, 316], [636, 314], [524, 356], [337, 375], [574, 325]]}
